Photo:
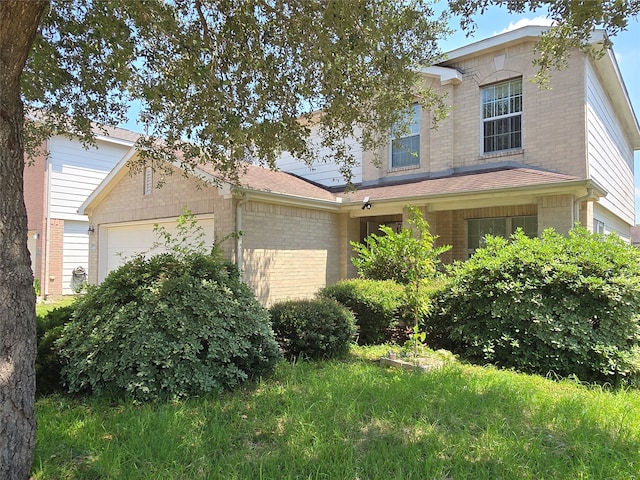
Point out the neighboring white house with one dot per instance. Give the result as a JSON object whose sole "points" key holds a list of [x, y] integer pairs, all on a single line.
{"points": [[55, 187]]}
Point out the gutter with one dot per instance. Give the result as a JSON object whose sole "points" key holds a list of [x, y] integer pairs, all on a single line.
{"points": [[47, 246]]}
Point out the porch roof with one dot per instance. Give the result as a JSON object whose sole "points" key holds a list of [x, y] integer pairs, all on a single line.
{"points": [[515, 185], [472, 182]]}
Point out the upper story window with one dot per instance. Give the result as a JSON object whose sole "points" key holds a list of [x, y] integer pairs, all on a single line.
{"points": [[148, 180], [502, 116], [405, 149]]}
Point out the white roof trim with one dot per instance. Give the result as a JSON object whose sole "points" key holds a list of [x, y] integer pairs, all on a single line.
{"points": [[116, 140], [447, 75], [608, 68], [531, 32]]}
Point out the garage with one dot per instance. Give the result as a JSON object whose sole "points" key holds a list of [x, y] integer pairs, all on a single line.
{"points": [[121, 242]]}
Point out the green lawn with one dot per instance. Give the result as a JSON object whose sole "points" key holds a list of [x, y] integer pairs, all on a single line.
{"points": [[43, 308], [352, 420]]}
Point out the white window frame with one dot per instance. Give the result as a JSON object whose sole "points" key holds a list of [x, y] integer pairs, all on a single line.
{"points": [[414, 132], [512, 111]]}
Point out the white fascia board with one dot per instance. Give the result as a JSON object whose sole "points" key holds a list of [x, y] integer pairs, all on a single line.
{"points": [[117, 141], [530, 32], [446, 75], [291, 200], [577, 188]]}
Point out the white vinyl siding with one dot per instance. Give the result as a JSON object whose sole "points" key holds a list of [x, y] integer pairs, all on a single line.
{"points": [[76, 172], [609, 152], [75, 252], [502, 116], [324, 170], [405, 148], [605, 222]]}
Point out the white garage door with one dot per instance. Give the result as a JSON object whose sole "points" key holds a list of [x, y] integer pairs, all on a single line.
{"points": [[122, 242]]}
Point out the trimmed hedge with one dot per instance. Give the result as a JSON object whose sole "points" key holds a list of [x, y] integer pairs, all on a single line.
{"points": [[320, 328], [567, 305], [378, 305], [168, 327]]}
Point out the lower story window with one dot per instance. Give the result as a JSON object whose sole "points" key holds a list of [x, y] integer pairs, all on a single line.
{"points": [[479, 228]]}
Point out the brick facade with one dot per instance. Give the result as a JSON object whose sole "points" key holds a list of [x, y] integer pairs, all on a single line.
{"points": [[288, 251]]}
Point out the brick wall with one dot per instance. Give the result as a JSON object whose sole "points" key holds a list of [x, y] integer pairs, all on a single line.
{"points": [[554, 135], [290, 252], [35, 182], [53, 283]]}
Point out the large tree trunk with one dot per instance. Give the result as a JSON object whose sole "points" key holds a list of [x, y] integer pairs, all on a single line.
{"points": [[18, 24]]}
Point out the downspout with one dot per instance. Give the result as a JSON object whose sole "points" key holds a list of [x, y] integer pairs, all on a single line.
{"points": [[47, 245], [239, 252], [576, 204]]}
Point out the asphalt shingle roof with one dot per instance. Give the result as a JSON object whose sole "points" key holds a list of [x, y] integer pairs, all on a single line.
{"points": [[458, 184], [265, 180]]}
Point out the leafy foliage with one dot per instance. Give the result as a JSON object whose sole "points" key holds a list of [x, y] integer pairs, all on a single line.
{"points": [[559, 304], [168, 327], [189, 237], [406, 256], [320, 328], [379, 307], [220, 81], [48, 365]]}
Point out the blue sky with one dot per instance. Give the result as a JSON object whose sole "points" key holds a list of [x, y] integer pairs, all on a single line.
{"points": [[626, 47]]}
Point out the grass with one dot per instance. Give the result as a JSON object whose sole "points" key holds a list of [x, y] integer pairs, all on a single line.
{"points": [[352, 419], [43, 308]]}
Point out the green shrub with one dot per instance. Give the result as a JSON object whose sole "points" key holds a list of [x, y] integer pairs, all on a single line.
{"points": [[407, 256], [378, 305], [320, 328], [168, 327], [559, 304], [48, 366]]}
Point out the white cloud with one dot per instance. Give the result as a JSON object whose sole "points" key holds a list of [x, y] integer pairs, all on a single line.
{"points": [[540, 21]]}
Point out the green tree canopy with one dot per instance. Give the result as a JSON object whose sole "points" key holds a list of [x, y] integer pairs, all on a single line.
{"points": [[224, 81]]}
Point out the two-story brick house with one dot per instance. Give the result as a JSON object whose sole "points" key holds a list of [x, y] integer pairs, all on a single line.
{"points": [[55, 185], [509, 155]]}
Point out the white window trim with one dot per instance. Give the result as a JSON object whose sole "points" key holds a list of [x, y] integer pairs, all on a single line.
{"points": [[407, 135], [482, 120]]}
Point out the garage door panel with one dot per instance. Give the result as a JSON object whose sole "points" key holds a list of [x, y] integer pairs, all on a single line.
{"points": [[123, 242]]}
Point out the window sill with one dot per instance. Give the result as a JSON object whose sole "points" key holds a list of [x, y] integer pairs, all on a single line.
{"points": [[502, 153], [403, 169]]}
